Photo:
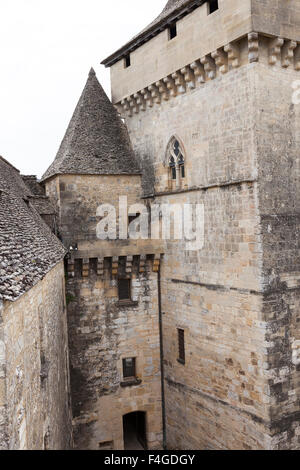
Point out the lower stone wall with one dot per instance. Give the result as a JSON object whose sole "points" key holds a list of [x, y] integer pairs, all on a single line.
{"points": [[3, 414], [209, 424], [281, 308], [239, 387], [37, 383], [102, 332], [218, 398]]}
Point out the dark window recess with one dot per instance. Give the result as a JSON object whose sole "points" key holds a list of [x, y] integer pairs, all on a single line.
{"points": [[129, 368], [106, 445], [127, 61], [173, 168], [131, 218], [78, 268], [124, 286], [213, 5], [181, 166], [93, 265], [172, 31], [181, 347]]}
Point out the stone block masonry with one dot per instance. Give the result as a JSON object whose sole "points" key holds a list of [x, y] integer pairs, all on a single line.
{"points": [[237, 299], [37, 368], [102, 332], [3, 398]]}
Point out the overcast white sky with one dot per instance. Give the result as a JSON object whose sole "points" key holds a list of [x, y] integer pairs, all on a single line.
{"points": [[46, 50]]}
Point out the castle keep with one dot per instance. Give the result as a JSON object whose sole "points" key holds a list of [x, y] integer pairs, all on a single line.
{"points": [[148, 343]]}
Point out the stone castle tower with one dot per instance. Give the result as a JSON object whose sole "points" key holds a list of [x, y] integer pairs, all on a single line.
{"points": [[217, 77], [169, 344]]}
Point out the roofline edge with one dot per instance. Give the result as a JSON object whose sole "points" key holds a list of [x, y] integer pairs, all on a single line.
{"points": [[154, 31]]}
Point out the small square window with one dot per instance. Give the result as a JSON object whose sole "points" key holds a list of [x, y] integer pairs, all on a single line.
{"points": [[172, 31], [129, 368], [124, 287], [127, 61], [213, 5]]}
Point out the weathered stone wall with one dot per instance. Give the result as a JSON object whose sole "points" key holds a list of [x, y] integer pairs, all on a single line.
{"points": [[279, 18], [102, 332], [239, 383], [199, 34], [79, 196], [37, 369], [277, 133], [213, 294], [3, 399]]}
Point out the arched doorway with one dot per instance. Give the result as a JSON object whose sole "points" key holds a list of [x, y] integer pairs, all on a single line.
{"points": [[134, 431]]}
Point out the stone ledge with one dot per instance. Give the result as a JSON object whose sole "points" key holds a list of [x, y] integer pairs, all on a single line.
{"points": [[131, 383], [127, 303]]}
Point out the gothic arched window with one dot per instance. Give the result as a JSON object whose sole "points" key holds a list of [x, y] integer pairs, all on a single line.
{"points": [[176, 161]]}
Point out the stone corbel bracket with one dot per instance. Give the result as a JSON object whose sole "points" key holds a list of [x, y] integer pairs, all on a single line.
{"points": [[126, 107], [143, 260], [287, 53], [156, 263], [253, 47], [129, 261], [71, 267], [171, 86], [179, 81], [85, 267], [140, 101], [209, 67], [199, 71], [275, 50], [188, 77], [163, 92], [147, 96], [100, 267], [233, 52], [115, 266], [221, 59]]}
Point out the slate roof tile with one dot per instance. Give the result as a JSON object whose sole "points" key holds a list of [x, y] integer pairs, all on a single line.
{"points": [[28, 249]]}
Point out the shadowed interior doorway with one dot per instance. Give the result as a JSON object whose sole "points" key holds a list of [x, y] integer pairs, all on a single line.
{"points": [[134, 429]]}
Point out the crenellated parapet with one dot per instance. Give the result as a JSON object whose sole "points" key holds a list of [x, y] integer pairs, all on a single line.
{"points": [[252, 48]]}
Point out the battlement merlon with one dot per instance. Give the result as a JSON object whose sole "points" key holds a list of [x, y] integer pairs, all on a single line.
{"points": [[199, 35]]}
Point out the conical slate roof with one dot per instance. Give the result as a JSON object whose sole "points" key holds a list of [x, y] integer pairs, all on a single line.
{"points": [[173, 10], [96, 141]]}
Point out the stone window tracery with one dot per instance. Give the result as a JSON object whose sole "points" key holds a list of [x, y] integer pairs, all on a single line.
{"points": [[176, 163]]}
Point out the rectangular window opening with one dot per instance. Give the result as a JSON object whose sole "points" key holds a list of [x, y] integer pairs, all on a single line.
{"points": [[124, 287], [127, 61], [129, 368], [181, 346], [172, 31], [213, 5]]}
